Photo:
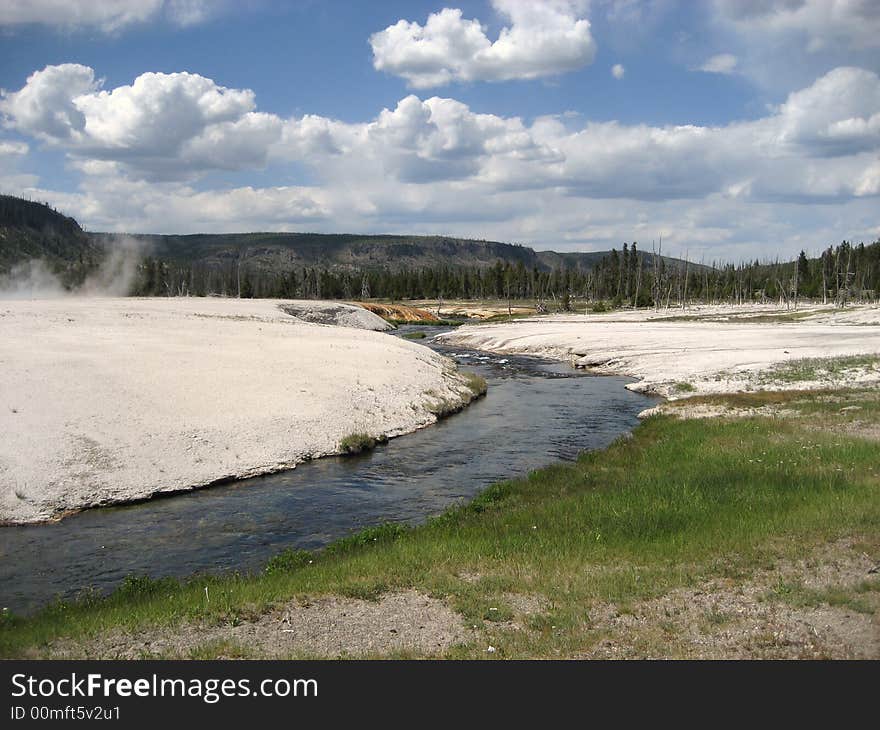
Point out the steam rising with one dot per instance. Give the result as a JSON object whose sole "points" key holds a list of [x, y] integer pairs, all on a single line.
{"points": [[115, 276]]}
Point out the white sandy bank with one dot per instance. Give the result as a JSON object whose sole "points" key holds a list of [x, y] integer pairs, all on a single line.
{"points": [[701, 350], [110, 400]]}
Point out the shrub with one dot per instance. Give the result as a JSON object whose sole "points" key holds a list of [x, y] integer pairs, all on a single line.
{"points": [[355, 443], [142, 586], [476, 384]]}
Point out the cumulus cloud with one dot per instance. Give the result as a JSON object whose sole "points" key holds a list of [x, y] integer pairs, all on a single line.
{"points": [[838, 115], [821, 22], [178, 127], [618, 71], [784, 44], [722, 63], [543, 38], [108, 16], [436, 165], [162, 126], [417, 141]]}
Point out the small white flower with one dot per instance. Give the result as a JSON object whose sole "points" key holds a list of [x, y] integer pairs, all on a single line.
{"points": [[491, 650]]}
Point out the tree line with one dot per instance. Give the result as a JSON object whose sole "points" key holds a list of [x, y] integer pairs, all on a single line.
{"points": [[628, 277]]}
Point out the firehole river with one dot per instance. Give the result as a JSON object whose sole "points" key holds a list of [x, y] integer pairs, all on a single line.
{"points": [[535, 412]]}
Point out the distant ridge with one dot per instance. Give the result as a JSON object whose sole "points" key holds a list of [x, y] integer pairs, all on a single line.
{"points": [[355, 252], [31, 230]]}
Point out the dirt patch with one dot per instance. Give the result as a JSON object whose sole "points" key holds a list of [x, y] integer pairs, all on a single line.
{"points": [[821, 607], [525, 604], [332, 627]]}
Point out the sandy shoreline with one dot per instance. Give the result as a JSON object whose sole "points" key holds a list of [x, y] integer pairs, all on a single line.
{"points": [[695, 351], [113, 400]]}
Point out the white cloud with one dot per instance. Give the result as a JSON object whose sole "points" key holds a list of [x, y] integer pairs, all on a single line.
{"points": [[434, 165], [161, 126], [618, 71], [722, 63], [45, 107], [12, 153], [106, 15], [821, 22], [418, 141], [837, 115], [784, 44], [544, 38], [12, 149], [181, 126]]}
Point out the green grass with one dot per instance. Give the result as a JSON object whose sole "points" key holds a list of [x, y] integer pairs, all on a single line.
{"points": [[811, 369], [355, 443], [442, 406], [679, 503], [475, 383], [414, 336], [855, 598]]}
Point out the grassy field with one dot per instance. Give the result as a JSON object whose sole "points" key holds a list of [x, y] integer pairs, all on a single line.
{"points": [[582, 558]]}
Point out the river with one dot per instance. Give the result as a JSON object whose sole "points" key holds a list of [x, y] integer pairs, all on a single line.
{"points": [[535, 412]]}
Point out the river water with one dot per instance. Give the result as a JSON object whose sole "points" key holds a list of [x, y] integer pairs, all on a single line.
{"points": [[536, 412]]}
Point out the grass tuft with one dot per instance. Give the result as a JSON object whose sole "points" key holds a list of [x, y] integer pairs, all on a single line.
{"points": [[476, 384], [288, 561], [355, 443]]}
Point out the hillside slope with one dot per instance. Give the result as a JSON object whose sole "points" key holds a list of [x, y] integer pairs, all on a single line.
{"points": [[30, 230]]}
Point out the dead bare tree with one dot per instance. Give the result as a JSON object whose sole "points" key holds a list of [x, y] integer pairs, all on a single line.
{"points": [[242, 255], [638, 280], [686, 272], [824, 281], [843, 291], [783, 293], [657, 286]]}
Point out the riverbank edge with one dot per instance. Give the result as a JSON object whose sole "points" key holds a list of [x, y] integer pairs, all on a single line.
{"points": [[774, 376], [470, 387], [124, 607]]}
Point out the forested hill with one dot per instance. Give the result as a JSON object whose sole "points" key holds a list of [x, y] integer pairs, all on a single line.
{"points": [[313, 265], [282, 252], [30, 230]]}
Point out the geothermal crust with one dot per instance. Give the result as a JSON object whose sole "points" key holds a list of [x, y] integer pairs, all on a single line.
{"points": [[699, 350], [113, 400]]}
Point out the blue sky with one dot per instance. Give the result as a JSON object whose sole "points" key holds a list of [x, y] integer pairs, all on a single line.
{"points": [[734, 129]]}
